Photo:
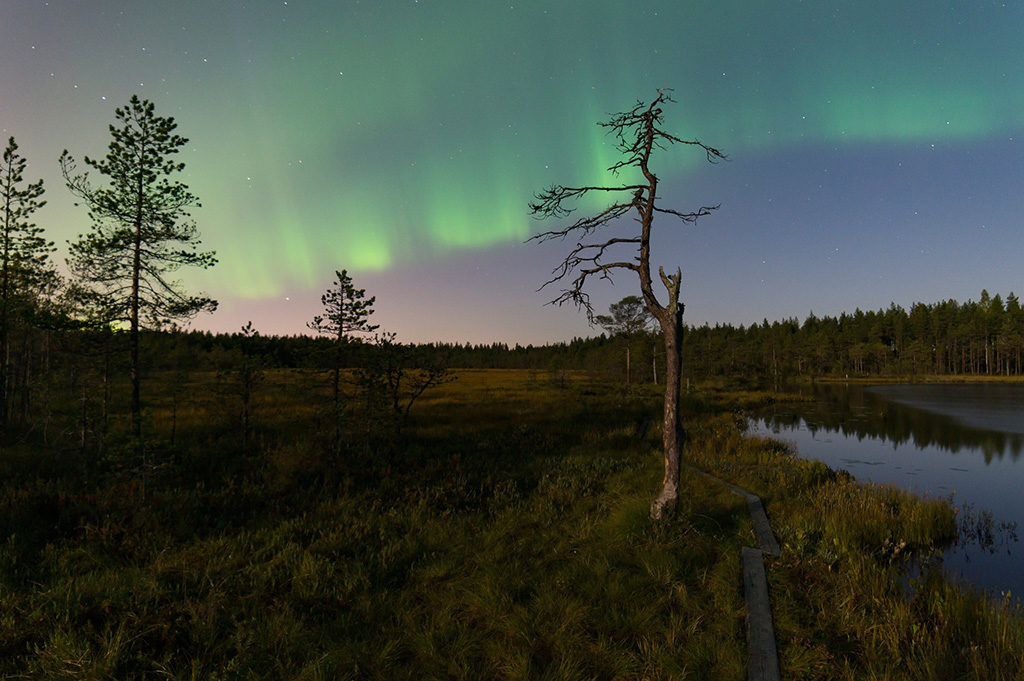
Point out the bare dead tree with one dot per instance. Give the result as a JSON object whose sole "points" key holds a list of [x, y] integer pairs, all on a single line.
{"points": [[638, 133]]}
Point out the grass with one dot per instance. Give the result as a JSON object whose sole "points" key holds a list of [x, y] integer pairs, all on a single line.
{"points": [[844, 602], [505, 536]]}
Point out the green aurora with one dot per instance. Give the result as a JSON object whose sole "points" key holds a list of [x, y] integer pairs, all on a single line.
{"points": [[373, 135], [444, 117]]}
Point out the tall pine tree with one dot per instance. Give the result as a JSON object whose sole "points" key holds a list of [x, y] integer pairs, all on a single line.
{"points": [[347, 310], [141, 232], [24, 256]]}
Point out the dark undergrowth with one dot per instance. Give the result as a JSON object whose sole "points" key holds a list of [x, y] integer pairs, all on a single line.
{"points": [[503, 535]]}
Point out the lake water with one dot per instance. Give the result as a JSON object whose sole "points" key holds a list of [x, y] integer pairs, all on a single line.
{"points": [[940, 440]]}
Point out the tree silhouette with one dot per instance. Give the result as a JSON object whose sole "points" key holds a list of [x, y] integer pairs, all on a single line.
{"points": [[628, 317], [245, 378], [638, 133], [140, 234], [24, 255], [347, 310]]}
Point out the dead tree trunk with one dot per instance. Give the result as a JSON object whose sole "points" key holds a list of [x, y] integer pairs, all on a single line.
{"points": [[673, 434], [638, 133]]}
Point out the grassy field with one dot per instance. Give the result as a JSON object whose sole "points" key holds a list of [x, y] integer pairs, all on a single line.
{"points": [[504, 535]]}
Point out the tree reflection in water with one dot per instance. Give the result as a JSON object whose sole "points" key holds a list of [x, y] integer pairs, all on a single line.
{"points": [[891, 413], [961, 441]]}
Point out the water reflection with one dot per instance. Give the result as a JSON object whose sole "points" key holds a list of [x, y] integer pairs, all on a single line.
{"points": [[911, 414], [959, 441]]}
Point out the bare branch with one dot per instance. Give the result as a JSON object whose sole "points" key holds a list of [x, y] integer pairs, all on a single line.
{"points": [[638, 134], [703, 211], [587, 224], [551, 202], [713, 155]]}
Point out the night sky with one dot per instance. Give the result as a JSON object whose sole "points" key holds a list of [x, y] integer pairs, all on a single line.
{"points": [[876, 148]]}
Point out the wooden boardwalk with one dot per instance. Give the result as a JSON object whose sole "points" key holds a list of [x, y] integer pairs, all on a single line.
{"points": [[763, 660]]}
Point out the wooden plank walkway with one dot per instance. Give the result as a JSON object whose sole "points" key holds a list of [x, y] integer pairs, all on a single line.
{"points": [[763, 660]]}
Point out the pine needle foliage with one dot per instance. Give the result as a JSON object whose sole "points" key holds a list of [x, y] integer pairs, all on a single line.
{"points": [[141, 230], [24, 253], [347, 311]]}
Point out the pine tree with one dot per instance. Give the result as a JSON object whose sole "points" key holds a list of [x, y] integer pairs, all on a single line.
{"points": [[141, 232], [347, 310], [628, 317], [24, 261]]}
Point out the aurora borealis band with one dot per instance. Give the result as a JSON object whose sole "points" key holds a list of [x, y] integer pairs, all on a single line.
{"points": [[875, 146]]}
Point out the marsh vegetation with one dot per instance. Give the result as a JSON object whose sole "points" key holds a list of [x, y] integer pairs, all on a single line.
{"points": [[504, 533]]}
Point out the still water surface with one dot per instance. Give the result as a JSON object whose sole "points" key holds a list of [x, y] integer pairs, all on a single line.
{"points": [[940, 440]]}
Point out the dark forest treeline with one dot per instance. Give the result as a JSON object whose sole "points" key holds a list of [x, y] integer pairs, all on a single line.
{"points": [[980, 338], [54, 359], [975, 338], [203, 351]]}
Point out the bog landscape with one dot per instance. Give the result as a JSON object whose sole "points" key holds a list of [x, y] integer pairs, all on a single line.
{"points": [[341, 504]]}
